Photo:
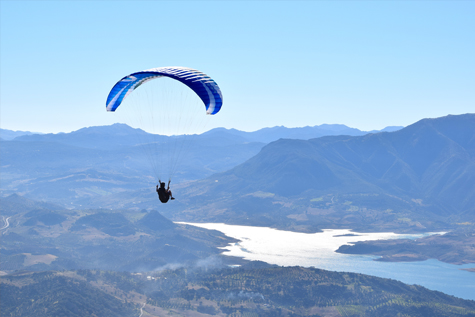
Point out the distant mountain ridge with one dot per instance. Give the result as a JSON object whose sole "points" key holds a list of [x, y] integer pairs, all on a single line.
{"points": [[95, 162], [267, 135], [100, 137], [120, 134], [10, 135]]}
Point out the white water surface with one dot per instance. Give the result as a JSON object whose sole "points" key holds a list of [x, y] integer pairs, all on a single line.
{"points": [[287, 248]]}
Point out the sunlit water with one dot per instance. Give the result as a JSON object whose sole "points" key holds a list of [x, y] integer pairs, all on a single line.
{"points": [[286, 248]]}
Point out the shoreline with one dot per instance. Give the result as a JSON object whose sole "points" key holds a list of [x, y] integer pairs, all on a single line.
{"points": [[285, 248]]}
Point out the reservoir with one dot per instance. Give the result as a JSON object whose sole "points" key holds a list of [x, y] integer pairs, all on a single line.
{"points": [[286, 248]]}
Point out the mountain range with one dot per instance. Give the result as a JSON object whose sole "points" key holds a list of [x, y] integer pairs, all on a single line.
{"points": [[6, 134], [73, 168], [432, 159], [119, 134], [420, 176]]}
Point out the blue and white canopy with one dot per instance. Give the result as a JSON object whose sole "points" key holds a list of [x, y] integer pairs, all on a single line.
{"points": [[205, 87]]}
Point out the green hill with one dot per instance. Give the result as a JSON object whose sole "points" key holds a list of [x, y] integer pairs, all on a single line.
{"points": [[44, 239], [252, 290], [54, 294]]}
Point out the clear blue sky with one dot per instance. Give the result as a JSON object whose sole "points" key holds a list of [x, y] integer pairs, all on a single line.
{"points": [[365, 64]]}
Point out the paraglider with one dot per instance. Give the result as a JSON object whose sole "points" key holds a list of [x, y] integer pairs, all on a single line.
{"points": [[201, 84], [164, 194]]}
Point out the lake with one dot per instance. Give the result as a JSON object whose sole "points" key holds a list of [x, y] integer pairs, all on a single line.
{"points": [[286, 248]]}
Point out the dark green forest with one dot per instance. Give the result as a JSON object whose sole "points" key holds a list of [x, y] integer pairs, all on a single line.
{"points": [[255, 289]]}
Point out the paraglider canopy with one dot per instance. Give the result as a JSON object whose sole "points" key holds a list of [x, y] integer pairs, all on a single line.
{"points": [[205, 87]]}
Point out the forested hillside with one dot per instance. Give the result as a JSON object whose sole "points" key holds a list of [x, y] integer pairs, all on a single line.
{"points": [[253, 290]]}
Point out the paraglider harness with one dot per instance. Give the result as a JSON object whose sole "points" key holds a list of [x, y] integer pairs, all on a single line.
{"points": [[164, 194]]}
